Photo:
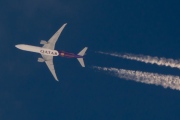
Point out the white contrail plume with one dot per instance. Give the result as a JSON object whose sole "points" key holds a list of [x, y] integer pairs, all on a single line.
{"points": [[148, 59], [167, 81]]}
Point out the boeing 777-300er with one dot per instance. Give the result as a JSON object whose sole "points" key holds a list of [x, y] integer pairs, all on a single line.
{"points": [[47, 51]]}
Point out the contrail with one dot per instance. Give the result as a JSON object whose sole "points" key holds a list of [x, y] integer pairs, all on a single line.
{"points": [[167, 81], [148, 59]]}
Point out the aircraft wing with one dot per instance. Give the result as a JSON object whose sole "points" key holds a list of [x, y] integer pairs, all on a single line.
{"points": [[52, 41], [49, 63]]}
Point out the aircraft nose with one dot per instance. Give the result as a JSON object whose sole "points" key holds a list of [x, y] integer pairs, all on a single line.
{"points": [[18, 46]]}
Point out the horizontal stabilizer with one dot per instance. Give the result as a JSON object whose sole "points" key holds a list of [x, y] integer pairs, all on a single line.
{"points": [[81, 61], [83, 51]]}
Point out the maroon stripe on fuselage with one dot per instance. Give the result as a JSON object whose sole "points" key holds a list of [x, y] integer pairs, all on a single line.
{"points": [[69, 55]]}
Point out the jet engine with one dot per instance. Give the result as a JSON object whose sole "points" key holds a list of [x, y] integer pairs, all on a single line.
{"points": [[43, 42], [41, 60]]}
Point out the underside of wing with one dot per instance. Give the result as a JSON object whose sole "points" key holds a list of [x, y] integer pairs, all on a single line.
{"points": [[52, 41], [49, 63]]}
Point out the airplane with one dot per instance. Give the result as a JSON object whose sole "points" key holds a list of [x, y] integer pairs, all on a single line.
{"points": [[47, 51]]}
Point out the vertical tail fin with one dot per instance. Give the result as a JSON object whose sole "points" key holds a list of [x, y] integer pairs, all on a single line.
{"points": [[81, 53]]}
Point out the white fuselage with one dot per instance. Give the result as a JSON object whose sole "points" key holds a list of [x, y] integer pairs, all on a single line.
{"points": [[43, 51]]}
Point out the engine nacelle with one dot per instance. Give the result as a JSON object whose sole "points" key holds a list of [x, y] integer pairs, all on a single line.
{"points": [[41, 60], [43, 42]]}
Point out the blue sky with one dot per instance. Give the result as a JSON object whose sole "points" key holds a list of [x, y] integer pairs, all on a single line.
{"points": [[28, 90]]}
